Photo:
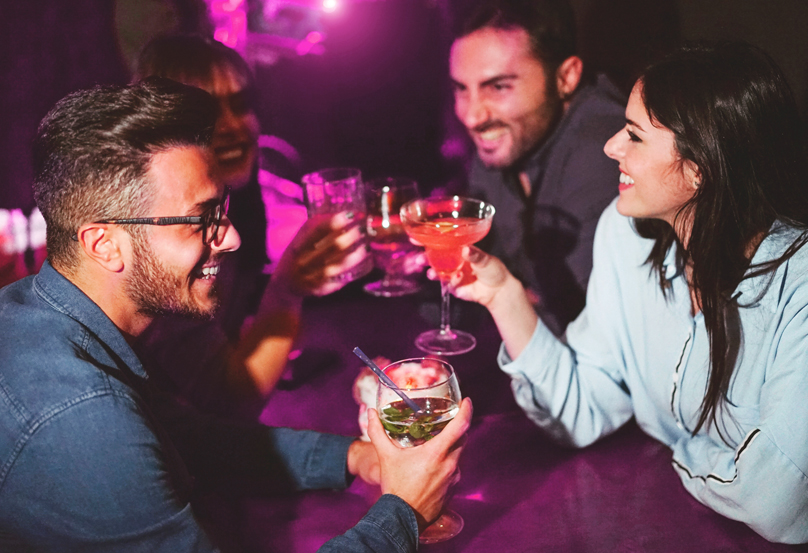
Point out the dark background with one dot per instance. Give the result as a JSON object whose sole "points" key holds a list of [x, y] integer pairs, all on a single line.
{"points": [[378, 98]]}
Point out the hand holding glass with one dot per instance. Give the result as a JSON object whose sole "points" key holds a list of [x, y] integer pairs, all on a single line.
{"points": [[443, 226], [338, 190], [432, 385]]}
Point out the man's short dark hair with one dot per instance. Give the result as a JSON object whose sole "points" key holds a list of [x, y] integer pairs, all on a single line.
{"points": [[93, 150], [549, 23]]}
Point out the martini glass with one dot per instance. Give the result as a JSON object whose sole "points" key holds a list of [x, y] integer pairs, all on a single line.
{"points": [[443, 226], [432, 385]]}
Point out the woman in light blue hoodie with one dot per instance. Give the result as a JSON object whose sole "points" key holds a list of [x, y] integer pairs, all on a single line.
{"points": [[696, 320]]}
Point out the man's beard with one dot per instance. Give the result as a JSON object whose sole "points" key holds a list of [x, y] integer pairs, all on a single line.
{"points": [[156, 291]]}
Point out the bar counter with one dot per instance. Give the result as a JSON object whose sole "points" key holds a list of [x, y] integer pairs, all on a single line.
{"points": [[519, 491]]}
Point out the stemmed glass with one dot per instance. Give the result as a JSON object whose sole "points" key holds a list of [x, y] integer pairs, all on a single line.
{"points": [[432, 385], [388, 241], [443, 226]]}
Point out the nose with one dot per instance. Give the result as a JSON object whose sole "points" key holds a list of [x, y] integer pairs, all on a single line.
{"points": [[615, 146], [227, 120], [227, 239], [471, 109]]}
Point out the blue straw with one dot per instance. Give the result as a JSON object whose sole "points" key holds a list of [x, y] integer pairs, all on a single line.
{"points": [[386, 379]]}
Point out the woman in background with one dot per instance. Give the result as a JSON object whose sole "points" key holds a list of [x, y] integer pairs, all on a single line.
{"points": [[229, 365], [696, 320]]}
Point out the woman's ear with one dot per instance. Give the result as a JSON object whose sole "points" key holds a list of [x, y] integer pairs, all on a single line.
{"points": [[101, 244], [692, 174]]}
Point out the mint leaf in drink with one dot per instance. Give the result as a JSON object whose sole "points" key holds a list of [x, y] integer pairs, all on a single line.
{"points": [[394, 414], [392, 428], [417, 430]]}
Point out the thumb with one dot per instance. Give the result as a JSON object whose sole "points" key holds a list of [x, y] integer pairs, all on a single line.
{"points": [[474, 255], [459, 425], [378, 437]]}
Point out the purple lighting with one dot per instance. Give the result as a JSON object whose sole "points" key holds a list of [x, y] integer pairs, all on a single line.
{"points": [[230, 20], [306, 45]]}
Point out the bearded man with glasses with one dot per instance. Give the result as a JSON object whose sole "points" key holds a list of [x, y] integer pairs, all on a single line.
{"points": [[93, 455]]}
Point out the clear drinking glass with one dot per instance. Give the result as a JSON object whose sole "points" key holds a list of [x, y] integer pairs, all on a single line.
{"points": [[335, 190], [432, 384], [443, 226], [389, 243]]}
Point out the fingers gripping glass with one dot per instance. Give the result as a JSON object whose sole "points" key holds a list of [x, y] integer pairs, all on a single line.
{"points": [[210, 220]]}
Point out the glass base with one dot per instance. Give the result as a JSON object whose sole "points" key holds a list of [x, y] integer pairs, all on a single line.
{"points": [[438, 342], [392, 288], [448, 525]]}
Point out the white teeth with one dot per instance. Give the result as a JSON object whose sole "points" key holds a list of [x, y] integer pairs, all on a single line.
{"points": [[493, 134], [210, 271], [229, 155], [625, 179]]}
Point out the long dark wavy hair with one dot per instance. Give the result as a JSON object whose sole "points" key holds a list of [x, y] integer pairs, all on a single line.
{"points": [[732, 114]]}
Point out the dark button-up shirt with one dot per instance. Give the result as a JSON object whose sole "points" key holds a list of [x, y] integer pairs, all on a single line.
{"points": [[95, 458], [546, 239]]}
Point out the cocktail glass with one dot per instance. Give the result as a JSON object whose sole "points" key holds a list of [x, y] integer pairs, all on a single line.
{"points": [[432, 384], [338, 190], [389, 243], [443, 226]]}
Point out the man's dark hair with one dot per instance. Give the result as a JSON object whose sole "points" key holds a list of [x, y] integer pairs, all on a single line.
{"points": [[93, 150], [549, 23]]}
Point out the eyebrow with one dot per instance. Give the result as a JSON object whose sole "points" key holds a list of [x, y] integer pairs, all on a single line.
{"points": [[489, 82], [203, 206], [633, 124]]}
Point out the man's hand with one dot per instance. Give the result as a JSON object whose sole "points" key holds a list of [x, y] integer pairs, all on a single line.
{"points": [[421, 475], [364, 462], [324, 248]]}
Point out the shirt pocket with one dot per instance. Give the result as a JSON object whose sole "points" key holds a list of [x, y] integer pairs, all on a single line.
{"points": [[735, 423]]}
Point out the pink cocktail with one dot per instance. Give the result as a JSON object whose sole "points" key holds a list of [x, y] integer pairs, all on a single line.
{"points": [[444, 226]]}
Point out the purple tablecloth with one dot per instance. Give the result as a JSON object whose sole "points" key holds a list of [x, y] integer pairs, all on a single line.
{"points": [[518, 492]]}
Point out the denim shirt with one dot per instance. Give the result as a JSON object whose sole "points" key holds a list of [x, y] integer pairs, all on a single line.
{"points": [[635, 352], [94, 458]]}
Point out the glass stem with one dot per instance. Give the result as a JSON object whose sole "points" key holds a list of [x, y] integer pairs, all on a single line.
{"points": [[444, 308]]}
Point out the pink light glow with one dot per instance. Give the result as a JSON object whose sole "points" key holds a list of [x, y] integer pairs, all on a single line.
{"points": [[230, 21], [309, 44], [474, 496], [330, 5]]}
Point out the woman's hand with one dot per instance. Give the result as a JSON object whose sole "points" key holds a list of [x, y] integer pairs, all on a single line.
{"points": [[324, 248], [480, 278], [484, 279]]}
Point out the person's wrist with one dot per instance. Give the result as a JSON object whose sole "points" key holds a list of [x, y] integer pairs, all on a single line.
{"points": [[510, 293]]}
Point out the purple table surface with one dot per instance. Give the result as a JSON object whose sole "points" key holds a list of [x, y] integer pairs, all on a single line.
{"points": [[518, 492]]}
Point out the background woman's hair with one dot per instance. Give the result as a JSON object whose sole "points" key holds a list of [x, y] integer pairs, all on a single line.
{"points": [[733, 114]]}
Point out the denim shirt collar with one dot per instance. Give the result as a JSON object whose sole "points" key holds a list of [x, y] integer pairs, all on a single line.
{"points": [[67, 298]]}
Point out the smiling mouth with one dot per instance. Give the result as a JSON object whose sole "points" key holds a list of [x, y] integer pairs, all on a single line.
{"points": [[625, 181], [493, 134], [208, 273], [231, 154]]}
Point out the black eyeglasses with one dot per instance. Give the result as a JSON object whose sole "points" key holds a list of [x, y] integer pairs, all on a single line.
{"points": [[210, 220]]}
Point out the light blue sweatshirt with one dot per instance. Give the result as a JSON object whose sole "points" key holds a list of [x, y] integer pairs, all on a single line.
{"points": [[633, 352]]}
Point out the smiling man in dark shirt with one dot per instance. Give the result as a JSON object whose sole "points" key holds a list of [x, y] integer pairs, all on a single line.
{"points": [[539, 131]]}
